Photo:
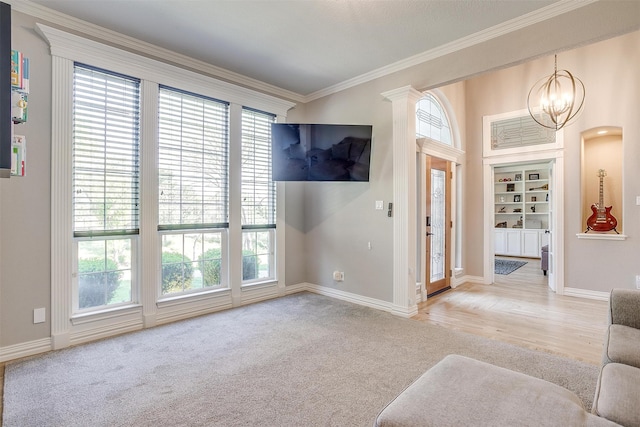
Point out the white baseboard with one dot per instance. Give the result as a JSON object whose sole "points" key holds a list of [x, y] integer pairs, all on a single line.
{"points": [[345, 296], [584, 293], [25, 349], [470, 279]]}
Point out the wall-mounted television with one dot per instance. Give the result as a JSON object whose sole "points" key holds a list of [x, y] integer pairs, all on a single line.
{"points": [[320, 152]]}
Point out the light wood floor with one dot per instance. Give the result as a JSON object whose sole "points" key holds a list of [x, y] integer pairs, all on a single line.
{"points": [[520, 309]]}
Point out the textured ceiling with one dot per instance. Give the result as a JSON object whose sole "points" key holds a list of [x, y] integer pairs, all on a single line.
{"points": [[301, 46]]}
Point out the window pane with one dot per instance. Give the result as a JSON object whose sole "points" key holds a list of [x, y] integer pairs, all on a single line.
{"points": [[106, 129], [258, 189], [104, 272], [191, 261], [257, 255], [193, 160], [432, 121], [519, 132]]}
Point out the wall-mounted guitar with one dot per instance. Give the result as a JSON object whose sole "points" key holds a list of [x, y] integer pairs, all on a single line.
{"points": [[601, 220]]}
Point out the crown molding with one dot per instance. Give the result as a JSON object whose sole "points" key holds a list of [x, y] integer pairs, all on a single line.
{"points": [[496, 31], [150, 50], [130, 43]]}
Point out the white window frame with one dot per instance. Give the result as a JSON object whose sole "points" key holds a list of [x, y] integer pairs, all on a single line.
{"points": [[67, 328]]}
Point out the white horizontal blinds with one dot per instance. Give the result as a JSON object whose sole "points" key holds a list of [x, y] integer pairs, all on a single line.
{"points": [[106, 134], [258, 189], [192, 161]]}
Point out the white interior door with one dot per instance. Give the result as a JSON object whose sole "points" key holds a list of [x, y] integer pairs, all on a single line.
{"points": [[551, 273]]}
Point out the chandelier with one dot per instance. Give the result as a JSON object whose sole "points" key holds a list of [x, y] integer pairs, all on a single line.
{"points": [[559, 98]]}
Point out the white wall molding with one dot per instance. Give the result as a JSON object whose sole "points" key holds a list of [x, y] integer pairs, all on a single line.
{"points": [[585, 293], [130, 43], [25, 349], [97, 54], [61, 201], [496, 31], [405, 231]]}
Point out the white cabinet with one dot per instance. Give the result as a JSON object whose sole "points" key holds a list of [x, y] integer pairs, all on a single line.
{"points": [[530, 243], [521, 209], [508, 242]]}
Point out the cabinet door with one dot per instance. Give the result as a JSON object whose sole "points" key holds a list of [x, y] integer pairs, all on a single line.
{"points": [[513, 242], [531, 243], [500, 242]]}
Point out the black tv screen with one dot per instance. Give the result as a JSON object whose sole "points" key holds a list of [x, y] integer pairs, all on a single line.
{"points": [[320, 152]]}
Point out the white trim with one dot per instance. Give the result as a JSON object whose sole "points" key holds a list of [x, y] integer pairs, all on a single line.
{"points": [[488, 152], [130, 43], [25, 349], [496, 31], [557, 215], [79, 49], [67, 48], [404, 101], [584, 293], [358, 299]]}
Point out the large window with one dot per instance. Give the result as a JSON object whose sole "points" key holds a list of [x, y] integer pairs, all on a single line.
{"points": [[160, 184], [193, 153], [105, 180], [258, 197]]}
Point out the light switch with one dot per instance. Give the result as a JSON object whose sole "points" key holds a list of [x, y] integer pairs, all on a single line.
{"points": [[379, 205], [638, 200], [39, 315]]}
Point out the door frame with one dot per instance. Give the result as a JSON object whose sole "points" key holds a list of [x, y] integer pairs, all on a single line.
{"points": [[428, 147], [556, 191]]}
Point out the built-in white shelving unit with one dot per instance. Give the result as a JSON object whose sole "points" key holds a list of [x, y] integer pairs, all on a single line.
{"points": [[521, 209]]}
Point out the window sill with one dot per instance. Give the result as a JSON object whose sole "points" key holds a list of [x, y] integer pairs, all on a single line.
{"points": [[107, 313], [259, 285], [192, 297], [590, 236]]}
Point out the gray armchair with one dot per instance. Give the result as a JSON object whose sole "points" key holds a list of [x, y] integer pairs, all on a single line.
{"points": [[544, 258]]}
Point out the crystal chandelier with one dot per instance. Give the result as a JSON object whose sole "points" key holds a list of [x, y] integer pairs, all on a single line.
{"points": [[559, 98]]}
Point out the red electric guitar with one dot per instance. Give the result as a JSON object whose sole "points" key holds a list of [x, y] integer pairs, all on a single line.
{"points": [[601, 220]]}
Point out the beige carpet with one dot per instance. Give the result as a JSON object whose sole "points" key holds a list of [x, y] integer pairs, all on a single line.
{"points": [[300, 360]]}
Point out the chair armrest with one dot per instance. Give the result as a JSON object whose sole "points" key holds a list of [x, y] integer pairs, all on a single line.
{"points": [[624, 307]]}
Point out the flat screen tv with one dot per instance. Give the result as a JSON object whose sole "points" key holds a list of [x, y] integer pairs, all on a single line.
{"points": [[320, 152]]}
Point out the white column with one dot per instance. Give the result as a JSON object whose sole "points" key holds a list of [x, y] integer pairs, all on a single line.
{"points": [[61, 201], [404, 102]]}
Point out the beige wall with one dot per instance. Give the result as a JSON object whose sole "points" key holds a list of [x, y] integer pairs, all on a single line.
{"points": [[25, 212]]}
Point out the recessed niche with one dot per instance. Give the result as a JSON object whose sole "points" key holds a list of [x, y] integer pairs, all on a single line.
{"points": [[601, 182]]}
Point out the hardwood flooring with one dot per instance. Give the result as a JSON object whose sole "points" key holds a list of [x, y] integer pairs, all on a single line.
{"points": [[520, 309]]}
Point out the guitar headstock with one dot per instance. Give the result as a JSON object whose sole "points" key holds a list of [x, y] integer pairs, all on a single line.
{"points": [[602, 173]]}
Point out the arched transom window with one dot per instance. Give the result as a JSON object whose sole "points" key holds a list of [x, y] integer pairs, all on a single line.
{"points": [[432, 121]]}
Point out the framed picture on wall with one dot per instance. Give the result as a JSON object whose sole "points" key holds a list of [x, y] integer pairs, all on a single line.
{"points": [[511, 187], [518, 177], [516, 198]]}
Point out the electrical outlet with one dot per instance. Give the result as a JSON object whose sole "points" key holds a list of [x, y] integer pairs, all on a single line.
{"points": [[338, 276]]}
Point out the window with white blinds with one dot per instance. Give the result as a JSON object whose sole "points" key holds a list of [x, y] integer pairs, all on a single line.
{"points": [[106, 131], [258, 189], [192, 161]]}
